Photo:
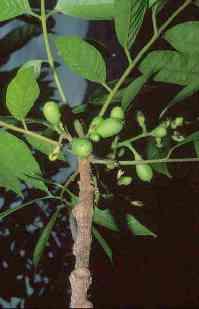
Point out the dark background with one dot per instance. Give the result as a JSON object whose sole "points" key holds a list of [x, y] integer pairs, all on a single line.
{"points": [[146, 272]]}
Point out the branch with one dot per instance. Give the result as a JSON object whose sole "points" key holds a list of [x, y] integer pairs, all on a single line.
{"points": [[27, 132], [135, 162], [133, 64]]}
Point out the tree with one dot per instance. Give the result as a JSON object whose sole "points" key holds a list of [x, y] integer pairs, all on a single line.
{"points": [[106, 126]]}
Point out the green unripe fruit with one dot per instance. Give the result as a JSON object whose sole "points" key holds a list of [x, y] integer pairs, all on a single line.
{"points": [[81, 147], [95, 123], [159, 132], [95, 137], [125, 181], [109, 127], [52, 113], [117, 112], [144, 172]]}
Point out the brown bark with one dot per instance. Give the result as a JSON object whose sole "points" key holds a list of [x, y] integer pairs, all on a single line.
{"points": [[80, 278]]}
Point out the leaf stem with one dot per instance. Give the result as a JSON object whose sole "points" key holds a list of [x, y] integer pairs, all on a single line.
{"points": [[24, 125], [106, 87], [35, 15], [9, 211], [128, 55], [49, 53], [154, 20], [27, 132], [71, 179], [140, 55], [174, 15]]}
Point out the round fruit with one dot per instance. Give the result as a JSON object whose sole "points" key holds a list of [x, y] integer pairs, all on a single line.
{"points": [[117, 112], [95, 123], [144, 172], [52, 113], [125, 181], [159, 132], [95, 137], [109, 127], [81, 147]]}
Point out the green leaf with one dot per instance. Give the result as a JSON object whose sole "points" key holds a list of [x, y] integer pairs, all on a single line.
{"points": [[21, 94], [159, 5], [132, 91], [35, 65], [104, 218], [182, 95], [152, 2], [171, 67], [89, 9], [100, 96], [16, 163], [10, 211], [138, 228], [153, 153], [44, 237], [196, 146], [196, 2], [103, 243], [13, 8], [184, 37], [79, 109], [42, 146], [129, 16], [156, 60], [82, 58]]}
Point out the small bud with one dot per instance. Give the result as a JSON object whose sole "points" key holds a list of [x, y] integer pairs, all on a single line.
{"points": [[177, 122], [120, 173], [141, 120], [55, 154], [177, 137], [159, 142], [121, 152]]}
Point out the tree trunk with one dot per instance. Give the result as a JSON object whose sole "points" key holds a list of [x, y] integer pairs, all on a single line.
{"points": [[80, 278]]}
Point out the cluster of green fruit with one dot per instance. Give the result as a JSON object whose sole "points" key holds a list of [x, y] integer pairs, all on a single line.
{"points": [[104, 128], [101, 128]]}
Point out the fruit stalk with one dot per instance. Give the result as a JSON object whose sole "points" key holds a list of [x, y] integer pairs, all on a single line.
{"points": [[80, 277]]}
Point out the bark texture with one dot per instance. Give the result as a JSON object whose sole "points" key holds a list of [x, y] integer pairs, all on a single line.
{"points": [[80, 278]]}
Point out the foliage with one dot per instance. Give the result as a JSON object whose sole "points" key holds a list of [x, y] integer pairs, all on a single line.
{"points": [[177, 65]]}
